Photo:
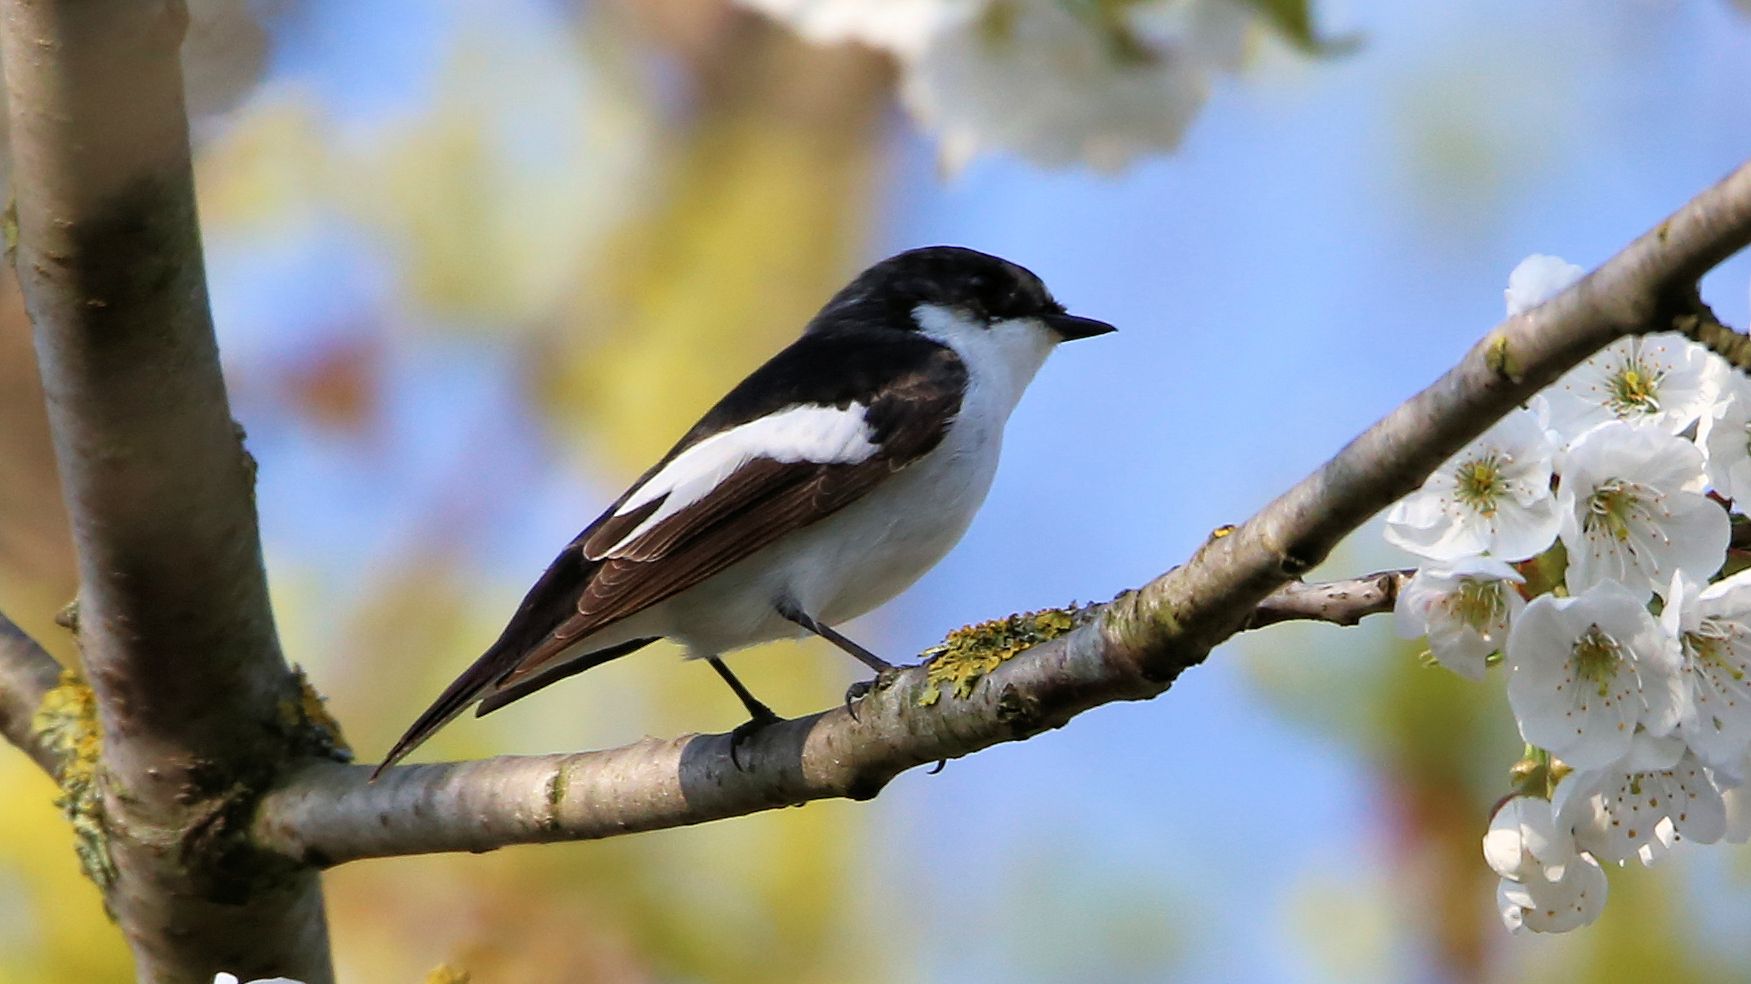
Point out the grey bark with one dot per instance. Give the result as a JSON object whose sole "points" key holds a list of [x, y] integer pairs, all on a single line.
{"points": [[178, 641]]}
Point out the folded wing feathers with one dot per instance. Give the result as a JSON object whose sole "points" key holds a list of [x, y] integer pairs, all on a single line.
{"points": [[823, 435]]}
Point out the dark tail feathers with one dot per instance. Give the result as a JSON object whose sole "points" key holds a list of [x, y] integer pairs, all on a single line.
{"points": [[481, 676]]}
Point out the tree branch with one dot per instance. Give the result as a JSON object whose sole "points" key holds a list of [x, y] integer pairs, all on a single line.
{"points": [[653, 784], [27, 674], [1131, 649], [178, 641]]}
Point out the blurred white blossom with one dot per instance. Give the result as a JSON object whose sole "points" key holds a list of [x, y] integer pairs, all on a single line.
{"points": [[1633, 510], [1491, 498], [903, 27], [1464, 607], [1537, 279], [1586, 672], [1058, 83]]}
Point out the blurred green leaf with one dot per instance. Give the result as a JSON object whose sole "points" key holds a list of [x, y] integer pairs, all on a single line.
{"points": [[1293, 20]]}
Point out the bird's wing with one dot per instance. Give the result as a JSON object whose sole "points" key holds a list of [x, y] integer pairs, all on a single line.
{"points": [[761, 464], [721, 499]]}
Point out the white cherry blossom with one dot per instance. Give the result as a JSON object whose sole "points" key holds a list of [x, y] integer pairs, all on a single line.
{"points": [[1665, 381], [1586, 672], [1464, 607], [1617, 815], [1633, 510], [1546, 886], [1493, 497]]}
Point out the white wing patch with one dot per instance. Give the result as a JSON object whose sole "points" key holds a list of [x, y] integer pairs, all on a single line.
{"points": [[822, 435]]}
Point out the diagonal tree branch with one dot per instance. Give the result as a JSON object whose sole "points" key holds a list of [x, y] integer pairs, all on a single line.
{"points": [[1132, 649], [665, 783], [27, 674], [177, 638]]}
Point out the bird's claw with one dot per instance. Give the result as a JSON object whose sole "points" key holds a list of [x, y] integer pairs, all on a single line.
{"points": [[746, 730], [863, 688]]}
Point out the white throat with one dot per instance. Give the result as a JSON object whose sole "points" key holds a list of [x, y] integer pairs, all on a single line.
{"points": [[1001, 358]]}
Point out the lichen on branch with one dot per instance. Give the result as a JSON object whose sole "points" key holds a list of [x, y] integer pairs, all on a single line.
{"points": [[966, 655], [67, 721]]}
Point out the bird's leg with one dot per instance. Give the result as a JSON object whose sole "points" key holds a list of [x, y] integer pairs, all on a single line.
{"points": [[857, 690], [869, 659], [759, 715]]}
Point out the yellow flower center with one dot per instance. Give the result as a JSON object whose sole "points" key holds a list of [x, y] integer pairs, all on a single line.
{"points": [[1635, 388], [1478, 483], [1480, 604]]}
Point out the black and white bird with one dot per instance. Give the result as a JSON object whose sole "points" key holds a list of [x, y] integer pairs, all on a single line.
{"points": [[818, 489]]}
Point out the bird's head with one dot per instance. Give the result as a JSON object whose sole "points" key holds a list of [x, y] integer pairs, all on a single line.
{"points": [[930, 287], [996, 315]]}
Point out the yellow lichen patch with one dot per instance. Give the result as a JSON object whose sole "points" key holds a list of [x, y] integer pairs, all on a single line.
{"points": [[67, 719], [970, 652], [446, 974], [305, 717]]}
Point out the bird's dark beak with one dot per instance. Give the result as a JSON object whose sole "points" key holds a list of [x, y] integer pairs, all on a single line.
{"points": [[1070, 327]]}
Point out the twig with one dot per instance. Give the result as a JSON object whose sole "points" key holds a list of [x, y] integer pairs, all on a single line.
{"points": [[1344, 602]]}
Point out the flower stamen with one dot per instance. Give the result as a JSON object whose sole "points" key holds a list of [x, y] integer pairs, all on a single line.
{"points": [[1635, 388], [1478, 483], [1595, 657], [1614, 506]]}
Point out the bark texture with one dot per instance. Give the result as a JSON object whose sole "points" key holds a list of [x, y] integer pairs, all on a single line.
{"points": [[178, 642]]}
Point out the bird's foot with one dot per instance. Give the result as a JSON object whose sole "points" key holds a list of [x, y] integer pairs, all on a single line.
{"points": [[863, 688], [763, 718]]}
